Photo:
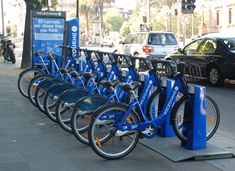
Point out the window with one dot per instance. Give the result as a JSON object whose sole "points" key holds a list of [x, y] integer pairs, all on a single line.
{"points": [[218, 18], [192, 48], [230, 16], [230, 43], [162, 38], [207, 47]]}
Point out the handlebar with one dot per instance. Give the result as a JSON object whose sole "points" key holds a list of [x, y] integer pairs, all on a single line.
{"points": [[164, 67]]}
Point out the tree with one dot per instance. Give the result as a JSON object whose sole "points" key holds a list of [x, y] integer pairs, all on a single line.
{"points": [[169, 4], [125, 29], [86, 9], [113, 21], [31, 5], [99, 6]]}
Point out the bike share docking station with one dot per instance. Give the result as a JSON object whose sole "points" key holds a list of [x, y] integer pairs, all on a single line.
{"points": [[197, 148]]}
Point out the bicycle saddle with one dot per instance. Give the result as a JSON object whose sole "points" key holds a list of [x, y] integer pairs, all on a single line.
{"points": [[63, 70], [74, 74], [109, 84], [130, 86], [88, 75]]}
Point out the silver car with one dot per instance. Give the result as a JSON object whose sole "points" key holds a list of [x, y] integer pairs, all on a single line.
{"points": [[149, 44]]}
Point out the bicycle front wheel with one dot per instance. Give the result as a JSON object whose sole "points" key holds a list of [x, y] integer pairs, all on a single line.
{"points": [[212, 117], [82, 115], [24, 80], [105, 140], [65, 107]]}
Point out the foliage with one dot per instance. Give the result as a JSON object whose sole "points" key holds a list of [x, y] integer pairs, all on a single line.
{"points": [[39, 4], [125, 29], [113, 21], [99, 6], [86, 10]]}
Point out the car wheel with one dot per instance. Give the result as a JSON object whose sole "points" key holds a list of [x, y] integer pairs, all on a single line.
{"points": [[215, 77], [102, 45]]}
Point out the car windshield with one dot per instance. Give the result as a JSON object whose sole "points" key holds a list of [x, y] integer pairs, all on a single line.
{"points": [[230, 43], [162, 39]]}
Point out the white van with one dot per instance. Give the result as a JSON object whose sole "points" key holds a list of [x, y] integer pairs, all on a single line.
{"points": [[149, 44]]}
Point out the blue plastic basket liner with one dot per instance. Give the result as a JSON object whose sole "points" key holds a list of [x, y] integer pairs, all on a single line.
{"points": [[73, 95], [89, 104], [57, 91], [45, 85]]}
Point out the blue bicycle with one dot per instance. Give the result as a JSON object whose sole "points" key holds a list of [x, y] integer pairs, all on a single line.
{"points": [[85, 107], [116, 127], [28, 74]]}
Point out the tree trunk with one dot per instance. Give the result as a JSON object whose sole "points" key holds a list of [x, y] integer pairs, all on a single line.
{"points": [[101, 20], [87, 22], [27, 44]]}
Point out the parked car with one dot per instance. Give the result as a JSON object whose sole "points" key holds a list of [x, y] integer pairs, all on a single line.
{"points": [[108, 41], [214, 54], [149, 44]]}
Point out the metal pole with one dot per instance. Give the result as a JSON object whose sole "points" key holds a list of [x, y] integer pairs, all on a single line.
{"points": [[3, 31], [148, 14], [77, 9], [184, 34]]}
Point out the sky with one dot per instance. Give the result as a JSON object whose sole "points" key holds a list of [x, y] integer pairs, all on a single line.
{"points": [[127, 4]]}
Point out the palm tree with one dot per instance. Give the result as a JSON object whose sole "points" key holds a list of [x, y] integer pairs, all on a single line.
{"points": [[169, 4], [86, 9], [99, 5]]}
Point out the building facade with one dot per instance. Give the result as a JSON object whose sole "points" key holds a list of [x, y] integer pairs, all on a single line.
{"points": [[221, 16]]}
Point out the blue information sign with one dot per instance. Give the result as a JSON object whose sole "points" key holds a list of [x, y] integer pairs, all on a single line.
{"points": [[73, 36], [47, 34]]}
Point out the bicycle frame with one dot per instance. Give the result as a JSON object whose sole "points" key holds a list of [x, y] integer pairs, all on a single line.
{"points": [[147, 126]]}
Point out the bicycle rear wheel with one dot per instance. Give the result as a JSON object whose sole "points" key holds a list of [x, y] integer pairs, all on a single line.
{"points": [[33, 86], [212, 117], [103, 137], [24, 80]]}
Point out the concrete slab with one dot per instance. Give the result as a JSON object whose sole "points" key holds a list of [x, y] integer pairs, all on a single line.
{"points": [[170, 148]]}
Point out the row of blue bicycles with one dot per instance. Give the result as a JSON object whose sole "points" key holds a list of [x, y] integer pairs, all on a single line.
{"points": [[106, 103]]}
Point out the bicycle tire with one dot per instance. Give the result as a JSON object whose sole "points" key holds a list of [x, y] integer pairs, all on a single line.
{"points": [[23, 83], [82, 115], [214, 120], [154, 103], [33, 86], [53, 93], [42, 90], [65, 106], [97, 143]]}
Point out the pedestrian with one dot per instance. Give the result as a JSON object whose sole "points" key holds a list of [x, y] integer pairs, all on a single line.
{"points": [[8, 28]]}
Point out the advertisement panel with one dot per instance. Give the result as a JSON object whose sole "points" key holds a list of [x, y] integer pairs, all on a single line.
{"points": [[47, 34]]}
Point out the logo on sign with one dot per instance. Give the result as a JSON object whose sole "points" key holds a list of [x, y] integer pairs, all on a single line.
{"points": [[74, 28]]}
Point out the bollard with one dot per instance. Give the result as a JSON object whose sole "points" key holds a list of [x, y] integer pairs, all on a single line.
{"points": [[195, 130], [166, 129]]}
